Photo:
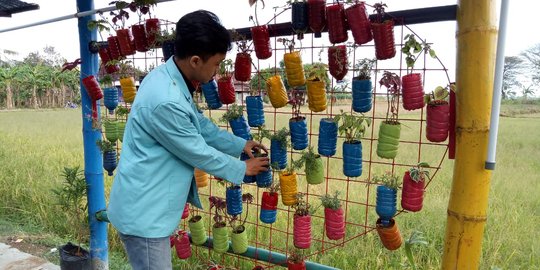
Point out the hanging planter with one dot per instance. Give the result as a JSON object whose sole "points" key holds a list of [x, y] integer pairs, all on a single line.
{"points": [[317, 16], [389, 234], [263, 179], [185, 212], [220, 239], [300, 18], [438, 115], [210, 93], [242, 67], [124, 42], [388, 142], [201, 178], [289, 188], [182, 245], [109, 161], [276, 92], [129, 90], [110, 98], [302, 224], [412, 195], [111, 130], [198, 233], [226, 90], [294, 68], [106, 58], [239, 240], [383, 34], [269, 204], [235, 118], [278, 153], [352, 159], [234, 200], [412, 91], [247, 178], [167, 48], [94, 92], [359, 23], [353, 128], [314, 167], [299, 135], [316, 88], [337, 61], [139, 37], [114, 48], [361, 95], [255, 111], [334, 221], [386, 196], [261, 42], [152, 31], [337, 26], [327, 137]]}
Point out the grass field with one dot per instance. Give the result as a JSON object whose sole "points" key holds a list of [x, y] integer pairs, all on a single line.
{"points": [[36, 145]]}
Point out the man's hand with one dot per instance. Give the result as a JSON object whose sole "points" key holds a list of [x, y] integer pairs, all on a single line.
{"points": [[257, 165], [254, 146]]}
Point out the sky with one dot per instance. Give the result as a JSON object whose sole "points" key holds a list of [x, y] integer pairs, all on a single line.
{"points": [[63, 35]]}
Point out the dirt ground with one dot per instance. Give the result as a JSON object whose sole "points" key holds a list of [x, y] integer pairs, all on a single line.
{"points": [[28, 244]]}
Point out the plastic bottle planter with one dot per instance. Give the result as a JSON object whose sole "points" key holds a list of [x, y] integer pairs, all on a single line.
{"points": [[139, 37], [276, 92], [94, 92], [152, 31], [264, 179], [226, 90], [300, 18], [413, 92], [124, 41], [220, 239], [302, 231], [299, 136], [316, 91], [109, 161], [198, 233], [111, 130], [234, 200], [389, 235], [185, 213], [314, 171], [110, 99], [358, 21], [239, 240], [182, 245], [383, 38], [388, 142], [278, 154], [412, 195], [337, 26], [296, 265], [289, 188], [261, 42], [437, 122], [361, 95], [334, 223], [210, 93], [121, 126], [317, 16], [294, 68], [255, 111], [352, 159], [201, 178], [337, 61], [386, 204], [129, 90], [269, 204], [242, 67], [167, 48], [247, 179], [106, 57], [114, 48], [327, 137], [240, 128]]}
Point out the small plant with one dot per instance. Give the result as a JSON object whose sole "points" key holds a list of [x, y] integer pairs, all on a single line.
{"points": [[255, 19], [282, 136], [363, 67], [412, 49], [106, 80], [302, 207], [274, 187], [226, 68], [237, 222], [220, 211], [296, 256], [122, 111], [72, 199], [418, 173], [294, 166], [439, 95], [352, 126], [392, 82], [287, 43], [234, 112], [416, 238], [296, 100], [318, 72], [388, 180], [105, 146], [379, 10], [331, 202]]}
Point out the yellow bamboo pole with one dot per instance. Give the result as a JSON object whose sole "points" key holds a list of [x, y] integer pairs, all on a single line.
{"points": [[476, 51]]}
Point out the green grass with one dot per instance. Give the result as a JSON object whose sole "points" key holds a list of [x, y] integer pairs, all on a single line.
{"points": [[36, 145]]}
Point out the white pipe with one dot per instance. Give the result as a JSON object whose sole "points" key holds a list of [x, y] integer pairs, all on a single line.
{"points": [[62, 18], [497, 89]]}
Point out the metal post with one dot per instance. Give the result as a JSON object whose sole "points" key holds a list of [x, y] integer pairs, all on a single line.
{"points": [[93, 160], [466, 214]]}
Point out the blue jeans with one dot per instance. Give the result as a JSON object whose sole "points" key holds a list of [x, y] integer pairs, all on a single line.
{"points": [[147, 253]]}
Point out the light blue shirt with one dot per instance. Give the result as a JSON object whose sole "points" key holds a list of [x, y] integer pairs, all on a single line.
{"points": [[165, 138]]}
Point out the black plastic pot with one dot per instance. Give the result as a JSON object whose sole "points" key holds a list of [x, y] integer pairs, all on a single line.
{"points": [[70, 260]]}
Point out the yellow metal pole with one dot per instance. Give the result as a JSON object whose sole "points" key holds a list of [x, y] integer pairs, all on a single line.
{"points": [[476, 51]]}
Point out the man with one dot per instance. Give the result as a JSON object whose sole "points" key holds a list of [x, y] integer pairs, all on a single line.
{"points": [[166, 137]]}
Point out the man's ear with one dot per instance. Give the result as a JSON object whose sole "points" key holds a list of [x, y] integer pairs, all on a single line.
{"points": [[195, 61]]}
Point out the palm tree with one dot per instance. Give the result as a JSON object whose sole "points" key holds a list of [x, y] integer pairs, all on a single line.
{"points": [[7, 77], [35, 78]]}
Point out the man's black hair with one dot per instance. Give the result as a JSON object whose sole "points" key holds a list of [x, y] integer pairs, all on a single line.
{"points": [[201, 33]]}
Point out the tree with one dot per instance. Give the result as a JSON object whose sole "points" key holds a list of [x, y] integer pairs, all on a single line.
{"points": [[532, 62], [513, 66], [7, 77]]}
